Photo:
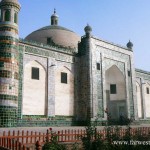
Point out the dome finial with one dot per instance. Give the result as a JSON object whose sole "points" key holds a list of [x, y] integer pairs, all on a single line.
{"points": [[54, 10], [54, 18]]}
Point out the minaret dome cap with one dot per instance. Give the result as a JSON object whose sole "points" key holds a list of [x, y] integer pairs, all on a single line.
{"points": [[130, 44], [88, 29]]}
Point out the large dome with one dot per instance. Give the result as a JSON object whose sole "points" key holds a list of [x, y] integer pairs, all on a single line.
{"points": [[55, 34]]}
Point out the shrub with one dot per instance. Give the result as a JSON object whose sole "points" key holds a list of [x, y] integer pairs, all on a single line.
{"points": [[52, 143], [94, 141]]}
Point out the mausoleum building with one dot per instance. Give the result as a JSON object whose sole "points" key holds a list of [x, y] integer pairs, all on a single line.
{"points": [[56, 77]]}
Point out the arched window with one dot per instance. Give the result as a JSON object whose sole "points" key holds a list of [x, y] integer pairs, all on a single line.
{"points": [[7, 15], [15, 17]]}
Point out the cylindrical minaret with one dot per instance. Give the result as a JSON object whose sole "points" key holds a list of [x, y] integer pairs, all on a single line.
{"points": [[85, 108], [9, 59], [88, 56]]}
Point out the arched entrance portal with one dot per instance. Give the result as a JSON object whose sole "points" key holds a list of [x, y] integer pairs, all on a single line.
{"points": [[115, 92]]}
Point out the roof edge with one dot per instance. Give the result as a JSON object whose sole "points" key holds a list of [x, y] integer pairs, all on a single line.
{"points": [[142, 71], [111, 43]]}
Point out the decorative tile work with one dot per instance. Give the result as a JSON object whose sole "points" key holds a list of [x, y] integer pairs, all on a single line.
{"points": [[51, 86], [8, 67], [117, 56], [21, 52], [8, 116], [8, 97], [100, 105], [48, 53], [45, 46]]}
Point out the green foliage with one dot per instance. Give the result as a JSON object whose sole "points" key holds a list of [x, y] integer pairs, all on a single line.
{"points": [[94, 141], [113, 140], [75, 146], [53, 144]]}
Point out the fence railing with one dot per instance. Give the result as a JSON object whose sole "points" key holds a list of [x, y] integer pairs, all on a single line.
{"points": [[21, 140], [12, 144]]}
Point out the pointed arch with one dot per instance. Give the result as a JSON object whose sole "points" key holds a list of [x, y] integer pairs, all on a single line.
{"points": [[67, 69], [34, 62], [114, 76], [115, 92], [115, 70]]}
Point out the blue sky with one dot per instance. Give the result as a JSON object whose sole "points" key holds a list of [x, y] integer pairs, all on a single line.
{"points": [[116, 21]]}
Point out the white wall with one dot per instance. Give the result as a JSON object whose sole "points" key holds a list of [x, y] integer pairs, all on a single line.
{"points": [[139, 100], [64, 93], [147, 99], [34, 90]]}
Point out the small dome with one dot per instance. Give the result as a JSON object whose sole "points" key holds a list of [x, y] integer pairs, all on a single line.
{"points": [[88, 29], [56, 35], [130, 45]]}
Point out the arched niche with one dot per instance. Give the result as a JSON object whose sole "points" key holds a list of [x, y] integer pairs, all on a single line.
{"points": [[115, 77], [115, 92], [34, 89]]}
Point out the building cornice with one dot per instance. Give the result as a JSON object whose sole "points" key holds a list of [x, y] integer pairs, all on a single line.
{"points": [[142, 71]]}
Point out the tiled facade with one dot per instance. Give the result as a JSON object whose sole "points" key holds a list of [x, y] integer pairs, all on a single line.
{"points": [[9, 60], [91, 67]]}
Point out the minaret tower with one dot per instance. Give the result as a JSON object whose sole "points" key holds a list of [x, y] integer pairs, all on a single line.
{"points": [[86, 93], [9, 59]]}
